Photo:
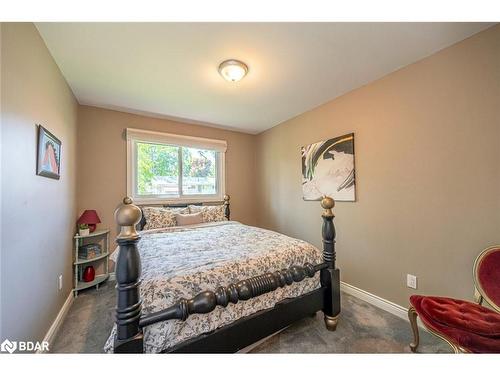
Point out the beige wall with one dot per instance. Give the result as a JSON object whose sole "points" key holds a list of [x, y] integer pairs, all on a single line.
{"points": [[102, 178], [428, 172], [38, 213]]}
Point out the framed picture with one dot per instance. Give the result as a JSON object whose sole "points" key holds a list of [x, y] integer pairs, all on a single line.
{"points": [[328, 169], [48, 161]]}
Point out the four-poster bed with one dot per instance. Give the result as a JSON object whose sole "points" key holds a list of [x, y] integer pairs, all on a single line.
{"points": [[131, 321]]}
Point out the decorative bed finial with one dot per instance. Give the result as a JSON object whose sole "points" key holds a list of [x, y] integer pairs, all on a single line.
{"points": [[227, 211], [328, 203], [127, 216]]}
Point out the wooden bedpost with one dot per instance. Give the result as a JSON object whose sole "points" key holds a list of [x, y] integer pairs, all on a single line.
{"points": [[227, 211], [330, 276], [129, 338]]}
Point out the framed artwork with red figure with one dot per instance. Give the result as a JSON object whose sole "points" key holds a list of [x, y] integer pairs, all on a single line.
{"points": [[48, 162]]}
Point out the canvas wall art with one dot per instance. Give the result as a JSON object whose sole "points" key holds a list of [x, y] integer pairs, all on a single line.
{"points": [[328, 169], [48, 154]]}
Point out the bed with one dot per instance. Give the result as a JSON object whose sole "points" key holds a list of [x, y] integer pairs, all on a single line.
{"points": [[218, 286]]}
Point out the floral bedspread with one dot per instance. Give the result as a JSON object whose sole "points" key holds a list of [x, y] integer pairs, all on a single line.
{"points": [[180, 262]]}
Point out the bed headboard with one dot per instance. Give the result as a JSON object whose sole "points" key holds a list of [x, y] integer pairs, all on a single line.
{"points": [[225, 202]]}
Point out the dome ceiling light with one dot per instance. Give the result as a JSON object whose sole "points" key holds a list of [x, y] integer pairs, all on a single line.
{"points": [[233, 70]]}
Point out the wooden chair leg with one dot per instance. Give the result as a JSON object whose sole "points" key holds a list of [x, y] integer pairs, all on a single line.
{"points": [[412, 316]]}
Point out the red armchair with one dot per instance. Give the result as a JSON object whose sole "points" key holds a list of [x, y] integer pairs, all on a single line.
{"points": [[467, 327]]}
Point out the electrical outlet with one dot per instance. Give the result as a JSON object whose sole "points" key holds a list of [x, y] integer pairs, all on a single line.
{"points": [[411, 281], [59, 282]]}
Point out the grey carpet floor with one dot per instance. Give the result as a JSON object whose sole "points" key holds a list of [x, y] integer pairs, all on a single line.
{"points": [[362, 328]]}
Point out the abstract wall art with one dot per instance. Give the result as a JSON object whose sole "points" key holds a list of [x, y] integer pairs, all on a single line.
{"points": [[328, 169]]}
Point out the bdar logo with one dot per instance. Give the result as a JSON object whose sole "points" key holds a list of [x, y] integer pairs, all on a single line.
{"points": [[8, 346]]}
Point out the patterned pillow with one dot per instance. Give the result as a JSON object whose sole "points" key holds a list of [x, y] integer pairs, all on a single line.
{"points": [[158, 217], [209, 213]]}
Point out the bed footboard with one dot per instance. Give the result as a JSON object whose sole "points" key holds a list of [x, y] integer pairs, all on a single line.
{"points": [[129, 321], [207, 301]]}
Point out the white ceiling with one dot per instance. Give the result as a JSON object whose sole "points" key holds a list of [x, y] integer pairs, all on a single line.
{"points": [[170, 69]]}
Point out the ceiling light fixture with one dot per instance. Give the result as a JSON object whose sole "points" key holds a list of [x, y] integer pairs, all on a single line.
{"points": [[233, 70]]}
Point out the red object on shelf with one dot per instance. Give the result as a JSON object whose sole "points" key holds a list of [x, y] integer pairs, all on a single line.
{"points": [[88, 274], [90, 218]]}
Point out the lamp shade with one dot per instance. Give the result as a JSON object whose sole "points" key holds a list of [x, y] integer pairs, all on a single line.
{"points": [[89, 217]]}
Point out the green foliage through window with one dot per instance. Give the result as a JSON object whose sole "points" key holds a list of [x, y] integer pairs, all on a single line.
{"points": [[158, 167], [198, 171]]}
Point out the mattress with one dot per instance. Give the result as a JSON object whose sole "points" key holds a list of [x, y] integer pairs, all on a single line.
{"points": [[180, 262]]}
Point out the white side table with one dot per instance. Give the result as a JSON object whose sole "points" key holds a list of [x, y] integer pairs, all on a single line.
{"points": [[98, 236]]}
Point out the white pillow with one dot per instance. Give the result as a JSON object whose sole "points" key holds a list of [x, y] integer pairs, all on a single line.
{"points": [[189, 219]]}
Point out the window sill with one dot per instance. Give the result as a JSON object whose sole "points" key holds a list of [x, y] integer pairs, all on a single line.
{"points": [[183, 200]]}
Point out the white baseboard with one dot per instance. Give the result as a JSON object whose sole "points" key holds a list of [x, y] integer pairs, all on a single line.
{"points": [[56, 324], [372, 299], [382, 303]]}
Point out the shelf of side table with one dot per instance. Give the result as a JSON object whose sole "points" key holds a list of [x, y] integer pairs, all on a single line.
{"points": [[97, 280]]}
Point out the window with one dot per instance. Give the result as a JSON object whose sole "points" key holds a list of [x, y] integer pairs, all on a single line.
{"points": [[164, 168]]}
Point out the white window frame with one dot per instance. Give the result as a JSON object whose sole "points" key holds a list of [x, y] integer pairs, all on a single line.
{"points": [[137, 135]]}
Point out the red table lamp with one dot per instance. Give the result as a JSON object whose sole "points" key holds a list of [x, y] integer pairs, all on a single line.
{"points": [[90, 218]]}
